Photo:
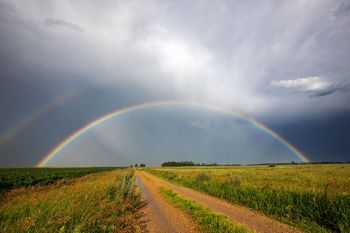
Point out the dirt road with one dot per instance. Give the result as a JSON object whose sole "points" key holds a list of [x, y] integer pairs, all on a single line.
{"points": [[163, 216]]}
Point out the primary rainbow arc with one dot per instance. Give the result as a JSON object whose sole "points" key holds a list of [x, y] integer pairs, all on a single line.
{"points": [[74, 136]]}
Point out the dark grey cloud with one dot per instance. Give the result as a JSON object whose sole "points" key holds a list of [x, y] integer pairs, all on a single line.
{"points": [[330, 91], [342, 9], [57, 22]]}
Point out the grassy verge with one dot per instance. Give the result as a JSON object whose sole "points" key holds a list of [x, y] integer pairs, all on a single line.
{"points": [[313, 212], [207, 220], [103, 202]]}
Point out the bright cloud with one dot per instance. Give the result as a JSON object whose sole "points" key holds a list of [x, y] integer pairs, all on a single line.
{"points": [[304, 84], [315, 86]]}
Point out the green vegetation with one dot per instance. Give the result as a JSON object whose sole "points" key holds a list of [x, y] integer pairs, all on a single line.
{"points": [[103, 202], [203, 176], [192, 164], [11, 178], [207, 220], [177, 164], [313, 197]]}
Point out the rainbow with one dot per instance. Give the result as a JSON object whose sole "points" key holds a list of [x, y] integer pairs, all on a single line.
{"points": [[21, 125], [103, 119]]}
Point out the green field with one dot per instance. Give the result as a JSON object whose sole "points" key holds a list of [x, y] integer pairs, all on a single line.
{"points": [[313, 197], [11, 178], [102, 202]]}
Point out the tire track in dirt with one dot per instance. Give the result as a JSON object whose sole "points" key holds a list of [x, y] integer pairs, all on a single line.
{"points": [[238, 214]]}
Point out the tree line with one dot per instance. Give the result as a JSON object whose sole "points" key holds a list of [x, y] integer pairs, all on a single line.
{"points": [[191, 163]]}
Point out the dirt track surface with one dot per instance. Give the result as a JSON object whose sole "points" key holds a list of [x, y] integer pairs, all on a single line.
{"points": [[235, 213], [162, 217]]}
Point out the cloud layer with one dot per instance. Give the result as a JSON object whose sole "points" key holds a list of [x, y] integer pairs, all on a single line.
{"points": [[57, 22], [230, 53]]}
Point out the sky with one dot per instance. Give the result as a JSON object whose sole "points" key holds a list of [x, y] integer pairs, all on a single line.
{"points": [[64, 64]]}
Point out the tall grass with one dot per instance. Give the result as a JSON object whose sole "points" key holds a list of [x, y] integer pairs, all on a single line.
{"points": [[312, 178], [314, 212], [105, 202]]}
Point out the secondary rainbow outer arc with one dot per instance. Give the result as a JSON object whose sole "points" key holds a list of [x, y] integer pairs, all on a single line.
{"points": [[35, 115], [71, 138]]}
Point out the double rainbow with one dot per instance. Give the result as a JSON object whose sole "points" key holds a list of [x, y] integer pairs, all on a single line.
{"points": [[21, 125], [104, 119]]}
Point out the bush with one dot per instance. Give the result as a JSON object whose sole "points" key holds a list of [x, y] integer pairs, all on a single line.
{"points": [[170, 175], [234, 179], [203, 176]]}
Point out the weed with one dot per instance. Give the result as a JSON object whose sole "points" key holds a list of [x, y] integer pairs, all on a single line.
{"points": [[234, 179], [170, 175]]}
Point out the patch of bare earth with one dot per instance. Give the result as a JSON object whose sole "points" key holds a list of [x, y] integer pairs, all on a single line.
{"points": [[238, 214]]}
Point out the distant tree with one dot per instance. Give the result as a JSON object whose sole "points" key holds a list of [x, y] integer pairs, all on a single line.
{"points": [[136, 165], [142, 165], [177, 164]]}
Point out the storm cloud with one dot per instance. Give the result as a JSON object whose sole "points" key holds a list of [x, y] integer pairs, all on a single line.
{"points": [[279, 61], [227, 52]]}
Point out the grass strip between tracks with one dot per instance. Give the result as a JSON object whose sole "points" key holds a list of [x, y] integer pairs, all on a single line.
{"points": [[208, 220]]}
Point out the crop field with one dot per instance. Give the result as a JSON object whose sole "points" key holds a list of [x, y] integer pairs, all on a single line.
{"points": [[315, 198], [17, 177], [101, 202]]}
